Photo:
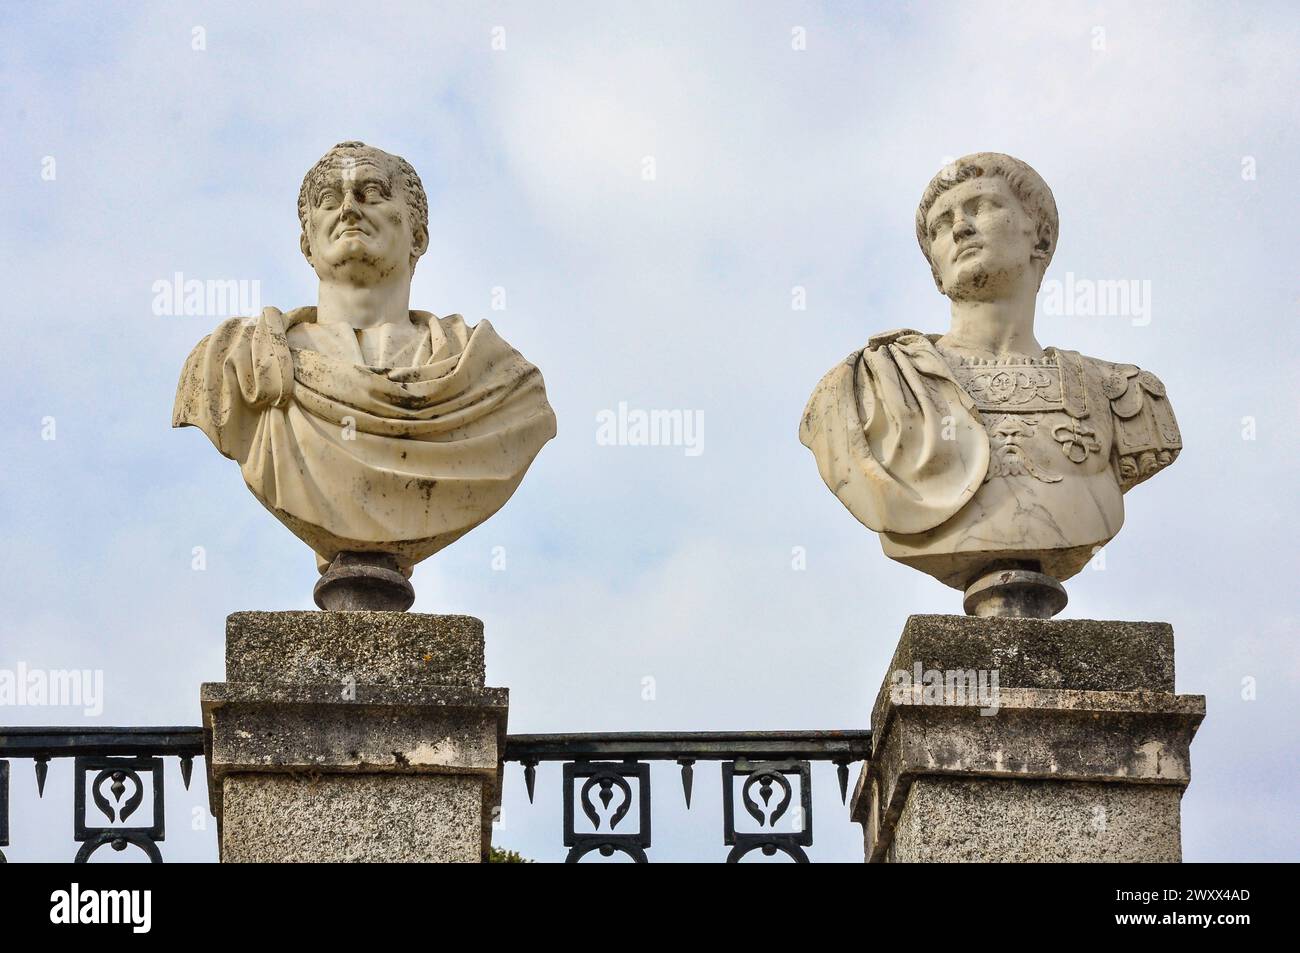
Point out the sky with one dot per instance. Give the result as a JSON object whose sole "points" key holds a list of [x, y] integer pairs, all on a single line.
{"points": [[676, 206]]}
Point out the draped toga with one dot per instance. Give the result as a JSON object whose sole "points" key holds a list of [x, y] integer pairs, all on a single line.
{"points": [[896, 438], [401, 460]]}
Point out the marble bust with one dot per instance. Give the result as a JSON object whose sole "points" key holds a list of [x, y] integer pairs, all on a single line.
{"points": [[377, 434], [993, 464]]}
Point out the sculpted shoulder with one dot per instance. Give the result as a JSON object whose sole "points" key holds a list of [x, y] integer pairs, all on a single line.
{"points": [[899, 336], [1147, 438]]}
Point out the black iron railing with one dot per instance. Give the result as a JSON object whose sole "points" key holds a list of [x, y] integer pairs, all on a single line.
{"points": [[114, 759], [768, 773], [758, 769]]}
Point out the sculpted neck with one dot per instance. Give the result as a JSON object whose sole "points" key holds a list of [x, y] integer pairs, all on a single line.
{"points": [[1005, 326], [365, 306]]}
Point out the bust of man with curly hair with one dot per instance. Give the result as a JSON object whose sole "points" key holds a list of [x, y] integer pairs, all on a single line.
{"points": [[365, 427], [991, 463]]}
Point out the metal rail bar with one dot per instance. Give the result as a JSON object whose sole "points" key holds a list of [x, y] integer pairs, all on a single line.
{"points": [[691, 745], [56, 742]]}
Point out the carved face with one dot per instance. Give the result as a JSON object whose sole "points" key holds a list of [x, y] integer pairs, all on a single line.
{"points": [[982, 241], [358, 224]]}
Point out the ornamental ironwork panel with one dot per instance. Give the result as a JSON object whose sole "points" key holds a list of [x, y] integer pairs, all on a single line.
{"points": [[607, 782], [761, 779], [117, 791], [764, 766]]}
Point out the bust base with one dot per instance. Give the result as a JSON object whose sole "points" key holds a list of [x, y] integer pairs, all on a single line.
{"points": [[363, 582], [1014, 593]]}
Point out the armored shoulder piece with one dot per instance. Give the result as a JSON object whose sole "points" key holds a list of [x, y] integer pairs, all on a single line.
{"points": [[1146, 434]]}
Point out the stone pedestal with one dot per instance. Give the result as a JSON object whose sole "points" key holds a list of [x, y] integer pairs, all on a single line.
{"points": [[1037, 740], [362, 736]]}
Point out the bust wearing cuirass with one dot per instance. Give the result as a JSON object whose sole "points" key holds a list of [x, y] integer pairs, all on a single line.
{"points": [[979, 456]]}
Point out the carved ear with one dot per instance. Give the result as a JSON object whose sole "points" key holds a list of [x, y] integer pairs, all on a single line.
{"points": [[305, 245], [1044, 243]]}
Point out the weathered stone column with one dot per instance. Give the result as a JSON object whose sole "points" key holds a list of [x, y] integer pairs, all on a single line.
{"points": [[364, 736], [1038, 740]]}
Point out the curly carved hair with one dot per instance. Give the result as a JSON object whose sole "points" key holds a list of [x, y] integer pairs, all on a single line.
{"points": [[345, 152], [1027, 184]]}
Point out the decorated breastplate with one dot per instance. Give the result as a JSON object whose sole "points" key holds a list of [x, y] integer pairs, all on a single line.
{"points": [[1024, 386], [1036, 413]]}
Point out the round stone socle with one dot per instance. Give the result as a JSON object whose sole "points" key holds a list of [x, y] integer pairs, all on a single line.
{"points": [[1016, 594], [364, 582]]}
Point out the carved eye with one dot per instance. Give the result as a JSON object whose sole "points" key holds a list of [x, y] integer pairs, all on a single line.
{"points": [[374, 193], [328, 198]]}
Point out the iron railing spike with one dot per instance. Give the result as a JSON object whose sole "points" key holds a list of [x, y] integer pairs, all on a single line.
{"points": [[187, 768], [42, 768], [530, 778], [688, 778], [842, 769]]}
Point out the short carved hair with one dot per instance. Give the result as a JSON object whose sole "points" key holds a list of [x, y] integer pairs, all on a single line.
{"points": [[416, 201], [1027, 184]]}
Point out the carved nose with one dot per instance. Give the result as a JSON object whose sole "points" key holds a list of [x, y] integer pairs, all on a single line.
{"points": [[963, 229]]}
